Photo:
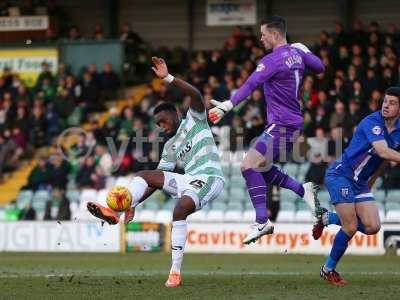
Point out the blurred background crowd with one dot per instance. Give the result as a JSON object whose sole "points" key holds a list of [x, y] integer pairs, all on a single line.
{"points": [[360, 64]]}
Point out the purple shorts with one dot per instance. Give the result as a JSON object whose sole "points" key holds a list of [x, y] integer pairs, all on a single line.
{"points": [[276, 142]]}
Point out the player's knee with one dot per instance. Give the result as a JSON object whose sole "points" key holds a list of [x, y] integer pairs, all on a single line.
{"points": [[350, 228], [373, 228], [183, 209]]}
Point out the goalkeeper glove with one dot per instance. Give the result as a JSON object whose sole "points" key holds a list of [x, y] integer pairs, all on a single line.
{"points": [[301, 47], [221, 108]]}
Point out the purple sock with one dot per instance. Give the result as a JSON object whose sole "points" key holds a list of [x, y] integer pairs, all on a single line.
{"points": [[258, 193], [276, 177]]}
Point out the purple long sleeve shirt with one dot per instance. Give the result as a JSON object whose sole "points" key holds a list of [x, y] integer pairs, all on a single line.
{"points": [[281, 73]]}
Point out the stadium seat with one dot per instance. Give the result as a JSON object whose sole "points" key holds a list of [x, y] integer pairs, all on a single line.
{"points": [[233, 216], [291, 169], [145, 215], [218, 206], [303, 168], [24, 198], [88, 195], [237, 181], [164, 216], [324, 198], [198, 216], [287, 195], [380, 196], [235, 171], [249, 216], [151, 205], [237, 192], [235, 206], [102, 196], [226, 169], [73, 195], [110, 182], [215, 216], [303, 213], [41, 196], [393, 196], [392, 212], [286, 212], [123, 180], [224, 196], [168, 205]]}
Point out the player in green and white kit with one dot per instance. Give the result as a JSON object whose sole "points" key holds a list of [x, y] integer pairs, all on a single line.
{"points": [[191, 145]]}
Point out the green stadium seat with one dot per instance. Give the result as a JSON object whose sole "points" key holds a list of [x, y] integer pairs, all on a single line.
{"points": [[218, 206], [380, 196], [287, 195], [393, 196], [24, 198], [291, 169], [73, 195]]}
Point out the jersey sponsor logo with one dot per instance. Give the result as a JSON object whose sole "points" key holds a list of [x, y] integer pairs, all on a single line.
{"points": [[377, 130], [260, 67], [185, 150]]}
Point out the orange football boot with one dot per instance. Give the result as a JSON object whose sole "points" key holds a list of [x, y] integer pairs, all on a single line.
{"points": [[174, 280], [332, 277], [104, 213]]}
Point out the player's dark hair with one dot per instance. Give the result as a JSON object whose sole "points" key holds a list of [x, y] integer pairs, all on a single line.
{"points": [[164, 107], [276, 22], [393, 91]]}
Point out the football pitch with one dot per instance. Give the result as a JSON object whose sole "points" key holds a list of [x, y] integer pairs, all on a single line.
{"points": [[205, 276]]}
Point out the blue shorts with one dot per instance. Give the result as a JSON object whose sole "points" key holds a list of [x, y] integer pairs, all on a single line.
{"points": [[344, 190]]}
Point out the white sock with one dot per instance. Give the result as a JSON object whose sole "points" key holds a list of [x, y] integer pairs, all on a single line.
{"points": [[178, 241], [137, 187]]}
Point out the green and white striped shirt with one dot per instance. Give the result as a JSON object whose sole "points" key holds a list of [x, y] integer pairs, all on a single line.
{"points": [[192, 147]]}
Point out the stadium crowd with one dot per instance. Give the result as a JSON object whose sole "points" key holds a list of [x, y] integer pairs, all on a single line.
{"points": [[360, 65]]}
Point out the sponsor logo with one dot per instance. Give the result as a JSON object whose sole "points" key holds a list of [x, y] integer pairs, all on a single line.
{"points": [[345, 192]]}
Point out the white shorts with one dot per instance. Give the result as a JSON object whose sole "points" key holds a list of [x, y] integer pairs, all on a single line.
{"points": [[201, 188]]}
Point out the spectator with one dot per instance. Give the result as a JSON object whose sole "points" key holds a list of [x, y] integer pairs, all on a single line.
{"points": [[85, 177], [339, 115], [318, 145], [40, 176], [109, 82]]}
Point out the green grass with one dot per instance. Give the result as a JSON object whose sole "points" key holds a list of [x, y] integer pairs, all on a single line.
{"points": [[205, 276]]}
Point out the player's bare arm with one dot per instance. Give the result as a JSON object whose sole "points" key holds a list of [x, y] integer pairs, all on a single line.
{"points": [[161, 70], [382, 149]]}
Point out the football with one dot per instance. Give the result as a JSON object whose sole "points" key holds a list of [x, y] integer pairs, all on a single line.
{"points": [[119, 198]]}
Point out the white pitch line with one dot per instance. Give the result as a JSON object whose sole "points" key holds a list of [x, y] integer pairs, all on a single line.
{"points": [[198, 273]]}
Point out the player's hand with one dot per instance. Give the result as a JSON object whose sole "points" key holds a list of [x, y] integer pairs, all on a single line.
{"points": [[301, 47], [160, 68], [129, 214], [221, 108]]}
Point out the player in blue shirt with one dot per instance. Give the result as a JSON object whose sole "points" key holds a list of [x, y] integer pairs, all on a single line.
{"points": [[348, 180]]}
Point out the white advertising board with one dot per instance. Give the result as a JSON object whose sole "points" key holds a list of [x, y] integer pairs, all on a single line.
{"points": [[287, 238], [24, 23], [231, 12], [59, 237]]}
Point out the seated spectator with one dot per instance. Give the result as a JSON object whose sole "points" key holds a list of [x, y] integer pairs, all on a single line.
{"points": [[40, 176], [74, 33], [316, 172], [99, 33], [339, 115], [109, 82], [59, 169], [84, 177], [90, 94]]}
